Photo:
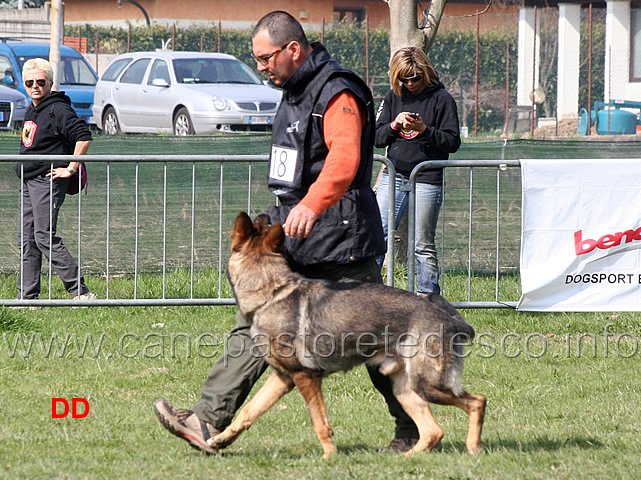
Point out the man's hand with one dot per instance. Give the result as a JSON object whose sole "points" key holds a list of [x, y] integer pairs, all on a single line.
{"points": [[299, 222]]}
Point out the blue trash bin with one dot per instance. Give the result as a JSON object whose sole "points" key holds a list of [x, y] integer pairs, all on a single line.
{"points": [[621, 122]]}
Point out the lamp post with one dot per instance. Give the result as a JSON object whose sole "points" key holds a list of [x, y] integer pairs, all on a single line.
{"points": [[134, 2]]}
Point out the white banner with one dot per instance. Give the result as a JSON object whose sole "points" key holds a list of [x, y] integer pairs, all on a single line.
{"points": [[581, 235]]}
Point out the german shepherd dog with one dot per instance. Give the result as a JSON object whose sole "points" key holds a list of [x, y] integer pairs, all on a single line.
{"points": [[308, 329]]}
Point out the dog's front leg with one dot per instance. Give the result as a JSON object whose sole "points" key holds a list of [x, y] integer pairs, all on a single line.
{"points": [[275, 387], [310, 388]]}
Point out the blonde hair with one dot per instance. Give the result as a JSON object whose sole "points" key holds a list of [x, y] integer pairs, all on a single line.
{"points": [[38, 64], [407, 62]]}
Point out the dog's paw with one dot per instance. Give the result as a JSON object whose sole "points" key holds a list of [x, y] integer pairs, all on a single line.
{"points": [[216, 442], [222, 440], [474, 449]]}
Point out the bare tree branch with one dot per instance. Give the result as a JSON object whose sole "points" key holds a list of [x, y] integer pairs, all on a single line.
{"points": [[432, 20]]}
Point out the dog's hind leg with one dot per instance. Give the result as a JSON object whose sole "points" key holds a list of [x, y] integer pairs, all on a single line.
{"points": [[474, 406], [310, 389], [430, 433], [273, 390]]}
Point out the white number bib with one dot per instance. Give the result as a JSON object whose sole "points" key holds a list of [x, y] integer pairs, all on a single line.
{"points": [[283, 164]]}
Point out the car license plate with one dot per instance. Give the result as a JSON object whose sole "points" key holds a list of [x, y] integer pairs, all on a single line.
{"points": [[260, 120], [1, 116]]}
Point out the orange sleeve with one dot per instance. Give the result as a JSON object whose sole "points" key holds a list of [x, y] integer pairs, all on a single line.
{"points": [[343, 124]]}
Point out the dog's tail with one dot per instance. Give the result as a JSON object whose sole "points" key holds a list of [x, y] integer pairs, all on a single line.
{"points": [[452, 378], [457, 334]]}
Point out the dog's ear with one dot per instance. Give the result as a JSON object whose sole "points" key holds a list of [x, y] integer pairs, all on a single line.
{"points": [[242, 230], [261, 222], [274, 241]]}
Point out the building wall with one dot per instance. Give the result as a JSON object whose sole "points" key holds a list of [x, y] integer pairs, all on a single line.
{"points": [[231, 14], [462, 16], [311, 13], [28, 24], [617, 54]]}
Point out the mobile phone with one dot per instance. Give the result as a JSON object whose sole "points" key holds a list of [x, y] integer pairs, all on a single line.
{"points": [[413, 115]]}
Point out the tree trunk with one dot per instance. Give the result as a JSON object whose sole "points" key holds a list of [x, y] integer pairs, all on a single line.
{"points": [[404, 31]]}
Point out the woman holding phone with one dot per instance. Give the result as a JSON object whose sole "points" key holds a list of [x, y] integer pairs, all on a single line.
{"points": [[417, 121]]}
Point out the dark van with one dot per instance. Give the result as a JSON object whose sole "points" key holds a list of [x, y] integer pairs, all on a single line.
{"points": [[78, 77]]}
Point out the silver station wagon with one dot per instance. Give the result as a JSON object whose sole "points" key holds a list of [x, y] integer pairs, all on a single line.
{"points": [[184, 93]]}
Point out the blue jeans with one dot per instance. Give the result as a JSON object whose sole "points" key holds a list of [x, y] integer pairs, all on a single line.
{"points": [[428, 204]]}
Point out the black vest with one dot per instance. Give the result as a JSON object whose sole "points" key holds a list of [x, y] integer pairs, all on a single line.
{"points": [[350, 230]]}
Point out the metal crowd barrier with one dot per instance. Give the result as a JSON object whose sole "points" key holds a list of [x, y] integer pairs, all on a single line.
{"points": [[499, 165], [222, 160]]}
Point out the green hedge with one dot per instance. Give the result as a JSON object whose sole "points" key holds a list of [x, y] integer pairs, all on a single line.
{"points": [[453, 56]]}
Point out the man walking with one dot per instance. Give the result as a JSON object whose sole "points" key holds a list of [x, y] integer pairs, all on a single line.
{"points": [[320, 169]]}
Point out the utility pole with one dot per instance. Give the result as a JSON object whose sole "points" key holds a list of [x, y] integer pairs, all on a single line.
{"points": [[57, 29]]}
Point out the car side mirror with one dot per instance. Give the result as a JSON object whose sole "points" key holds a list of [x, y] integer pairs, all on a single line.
{"points": [[160, 82], [9, 79]]}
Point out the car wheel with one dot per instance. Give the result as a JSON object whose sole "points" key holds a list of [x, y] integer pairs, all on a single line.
{"points": [[182, 123], [110, 123]]}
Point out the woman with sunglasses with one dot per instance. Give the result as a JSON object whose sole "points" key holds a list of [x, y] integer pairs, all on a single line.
{"points": [[51, 127], [417, 121]]}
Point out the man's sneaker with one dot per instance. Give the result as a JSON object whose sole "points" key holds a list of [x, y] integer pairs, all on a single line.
{"points": [[400, 445], [185, 424], [86, 296], [403, 445]]}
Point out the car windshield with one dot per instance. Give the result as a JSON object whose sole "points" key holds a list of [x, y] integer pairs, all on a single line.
{"points": [[116, 67], [214, 70], [75, 71]]}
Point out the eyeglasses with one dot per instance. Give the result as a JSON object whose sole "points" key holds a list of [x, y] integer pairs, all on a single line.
{"points": [[413, 78], [264, 59], [41, 82]]}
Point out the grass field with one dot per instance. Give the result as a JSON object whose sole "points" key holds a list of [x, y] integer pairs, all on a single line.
{"points": [[563, 390]]}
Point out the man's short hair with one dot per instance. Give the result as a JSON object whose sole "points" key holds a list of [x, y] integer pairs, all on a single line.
{"points": [[282, 28]]}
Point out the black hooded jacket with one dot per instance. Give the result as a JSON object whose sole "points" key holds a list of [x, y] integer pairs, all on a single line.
{"points": [[406, 149], [50, 128]]}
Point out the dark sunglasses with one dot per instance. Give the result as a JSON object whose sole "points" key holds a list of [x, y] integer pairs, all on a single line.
{"points": [[413, 78], [29, 83]]}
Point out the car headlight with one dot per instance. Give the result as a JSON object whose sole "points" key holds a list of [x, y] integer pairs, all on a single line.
{"points": [[219, 103], [22, 103]]}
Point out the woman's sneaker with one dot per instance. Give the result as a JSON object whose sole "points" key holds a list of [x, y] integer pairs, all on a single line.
{"points": [[86, 296], [22, 307]]}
